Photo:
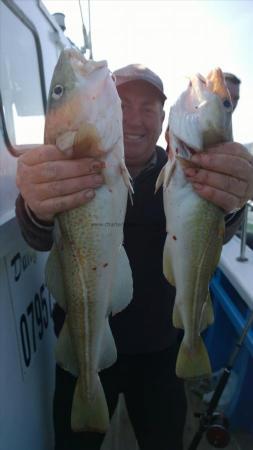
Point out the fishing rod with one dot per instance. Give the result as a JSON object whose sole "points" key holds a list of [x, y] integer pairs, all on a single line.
{"points": [[214, 424], [86, 36]]}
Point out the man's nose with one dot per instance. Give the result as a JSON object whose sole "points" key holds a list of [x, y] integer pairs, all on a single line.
{"points": [[132, 117]]}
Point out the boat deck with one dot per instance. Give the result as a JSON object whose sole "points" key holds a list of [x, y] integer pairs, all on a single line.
{"points": [[239, 440], [121, 435]]}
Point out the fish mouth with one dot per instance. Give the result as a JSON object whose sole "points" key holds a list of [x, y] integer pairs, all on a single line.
{"points": [[185, 151]]}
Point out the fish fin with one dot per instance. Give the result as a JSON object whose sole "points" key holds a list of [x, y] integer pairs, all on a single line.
{"points": [[54, 277], [160, 179], [87, 142], [177, 319], [206, 317], [89, 415], [165, 175], [64, 351], [65, 142], [171, 165], [193, 363], [108, 352], [219, 243], [167, 265], [127, 179], [122, 288], [186, 163]]}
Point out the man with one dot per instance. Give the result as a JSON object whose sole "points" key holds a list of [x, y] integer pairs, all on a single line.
{"points": [[233, 85], [146, 341]]}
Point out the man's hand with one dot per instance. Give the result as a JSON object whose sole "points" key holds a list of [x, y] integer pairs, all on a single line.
{"points": [[50, 182], [224, 175]]}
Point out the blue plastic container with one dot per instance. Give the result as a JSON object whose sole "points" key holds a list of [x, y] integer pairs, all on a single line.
{"points": [[231, 315]]}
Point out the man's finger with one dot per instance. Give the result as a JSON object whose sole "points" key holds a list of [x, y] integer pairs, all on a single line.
{"points": [[231, 148], [224, 200], [47, 209], [238, 167], [58, 170], [44, 191], [219, 181], [42, 154]]}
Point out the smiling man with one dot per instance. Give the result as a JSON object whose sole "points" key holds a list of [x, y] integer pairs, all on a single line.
{"points": [[142, 99]]}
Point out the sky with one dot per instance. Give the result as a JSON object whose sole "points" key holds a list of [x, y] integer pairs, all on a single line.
{"points": [[174, 38]]}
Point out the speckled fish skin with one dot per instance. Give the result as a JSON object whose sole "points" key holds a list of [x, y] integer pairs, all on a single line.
{"points": [[201, 117], [88, 271]]}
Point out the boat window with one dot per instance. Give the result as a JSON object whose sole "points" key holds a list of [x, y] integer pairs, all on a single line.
{"points": [[21, 94]]}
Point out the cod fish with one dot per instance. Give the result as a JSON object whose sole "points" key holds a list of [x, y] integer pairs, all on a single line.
{"points": [[200, 118], [88, 271]]}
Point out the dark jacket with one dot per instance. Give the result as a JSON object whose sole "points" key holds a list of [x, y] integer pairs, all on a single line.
{"points": [[146, 324]]}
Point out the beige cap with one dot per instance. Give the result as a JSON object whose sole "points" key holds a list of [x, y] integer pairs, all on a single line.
{"points": [[134, 72]]}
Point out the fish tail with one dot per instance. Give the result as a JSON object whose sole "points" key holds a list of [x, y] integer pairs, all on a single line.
{"points": [[193, 363], [177, 318], [89, 414]]}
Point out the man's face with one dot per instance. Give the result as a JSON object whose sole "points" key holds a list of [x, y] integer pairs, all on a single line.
{"points": [[142, 121], [234, 90]]}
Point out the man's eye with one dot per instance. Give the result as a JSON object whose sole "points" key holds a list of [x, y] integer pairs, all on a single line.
{"points": [[148, 110]]}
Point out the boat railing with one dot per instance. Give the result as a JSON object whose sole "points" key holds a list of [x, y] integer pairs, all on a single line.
{"points": [[244, 232]]}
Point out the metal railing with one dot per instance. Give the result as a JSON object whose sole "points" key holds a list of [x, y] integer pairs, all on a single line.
{"points": [[242, 257]]}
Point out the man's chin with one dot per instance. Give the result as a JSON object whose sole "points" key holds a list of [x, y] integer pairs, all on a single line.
{"points": [[134, 148]]}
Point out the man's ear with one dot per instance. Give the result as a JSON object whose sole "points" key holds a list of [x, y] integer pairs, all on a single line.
{"points": [[162, 119]]}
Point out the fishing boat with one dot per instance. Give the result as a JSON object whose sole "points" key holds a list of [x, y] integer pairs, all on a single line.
{"points": [[31, 40]]}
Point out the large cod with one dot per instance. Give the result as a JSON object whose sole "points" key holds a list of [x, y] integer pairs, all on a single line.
{"points": [[88, 271], [200, 118]]}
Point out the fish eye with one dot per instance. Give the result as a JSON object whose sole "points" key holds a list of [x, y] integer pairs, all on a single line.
{"points": [[57, 91], [227, 103]]}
